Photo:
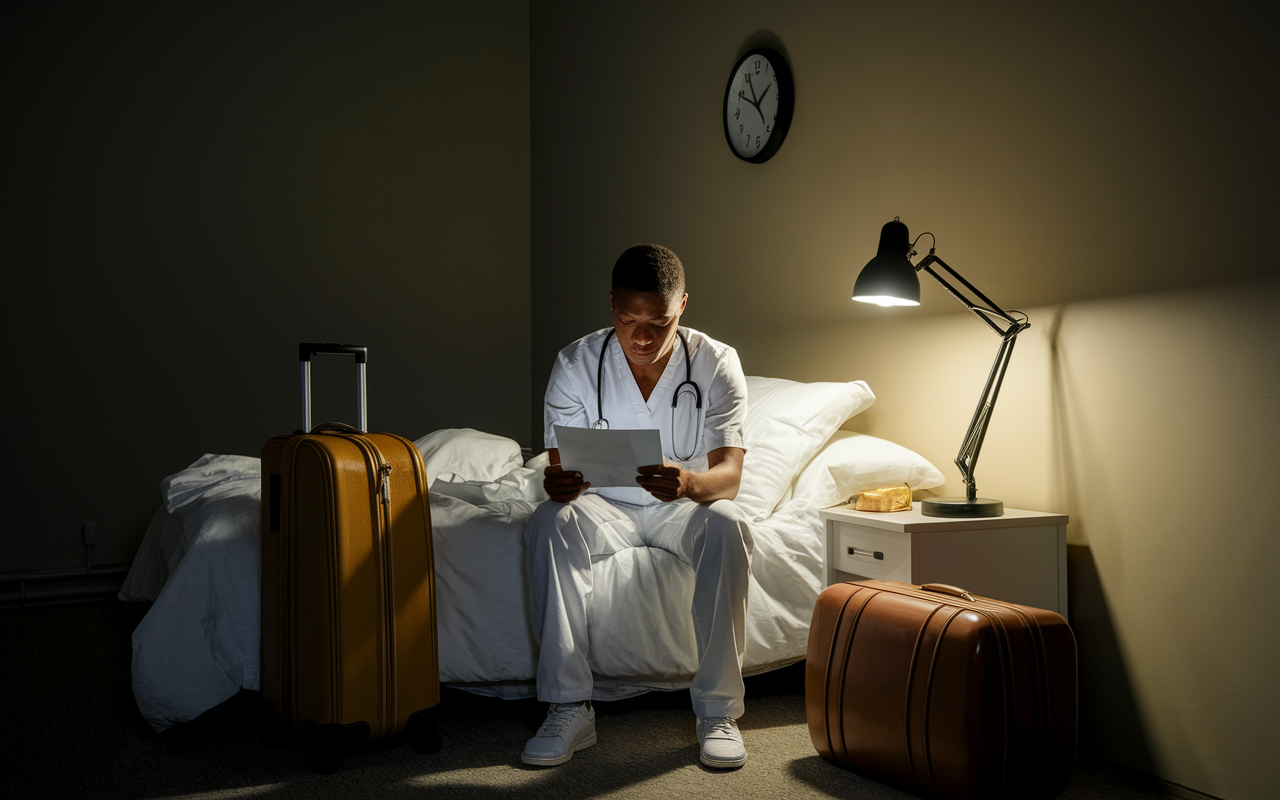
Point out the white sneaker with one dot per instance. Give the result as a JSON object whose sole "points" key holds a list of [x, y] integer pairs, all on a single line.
{"points": [[569, 727], [721, 742]]}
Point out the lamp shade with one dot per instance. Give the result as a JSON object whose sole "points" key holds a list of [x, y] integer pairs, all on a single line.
{"points": [[890, 278]]}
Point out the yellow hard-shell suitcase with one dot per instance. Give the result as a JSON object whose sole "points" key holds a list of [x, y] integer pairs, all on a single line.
{"points": [[349, 647]]}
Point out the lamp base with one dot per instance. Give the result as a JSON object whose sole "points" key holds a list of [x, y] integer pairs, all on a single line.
{"points": [[961, 507]]}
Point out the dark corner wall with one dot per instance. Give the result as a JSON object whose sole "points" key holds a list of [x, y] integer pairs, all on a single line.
{"points": [[194, 188]]}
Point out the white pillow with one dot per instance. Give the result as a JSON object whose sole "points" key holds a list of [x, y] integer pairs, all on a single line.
{"points": [[855, 462], [470, 454], [786, 424]]}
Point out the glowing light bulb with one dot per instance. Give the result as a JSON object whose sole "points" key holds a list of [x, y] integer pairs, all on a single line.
{"points": [[885, 301]]}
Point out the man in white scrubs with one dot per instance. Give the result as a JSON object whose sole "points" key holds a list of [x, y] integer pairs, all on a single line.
{"points": [[683, 506]]}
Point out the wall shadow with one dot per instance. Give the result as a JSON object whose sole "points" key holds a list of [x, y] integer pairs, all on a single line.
{"points": [[1111, 726], [764, 38], [1110, 723]]}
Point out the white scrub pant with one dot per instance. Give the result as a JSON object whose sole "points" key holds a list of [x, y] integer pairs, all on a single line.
{"points": [[561, 540]]}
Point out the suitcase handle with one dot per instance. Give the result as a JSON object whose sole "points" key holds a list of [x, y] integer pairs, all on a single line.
{"points": [[336, 427], [946, 588], [308, 349]]}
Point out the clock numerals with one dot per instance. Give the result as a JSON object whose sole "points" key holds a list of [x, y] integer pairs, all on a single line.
{"points": [[737, 112]]}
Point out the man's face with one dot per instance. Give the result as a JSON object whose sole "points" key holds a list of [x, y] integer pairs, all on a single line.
{"points": [[646, 324]]}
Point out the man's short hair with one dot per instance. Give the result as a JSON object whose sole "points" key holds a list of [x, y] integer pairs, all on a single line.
{"points": [[650, 268]]}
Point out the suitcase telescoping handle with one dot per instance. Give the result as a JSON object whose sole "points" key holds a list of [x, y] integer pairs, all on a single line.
{"points": [[308, 349]]}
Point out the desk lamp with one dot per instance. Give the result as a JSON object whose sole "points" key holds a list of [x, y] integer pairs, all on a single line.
{"points": [[890, 279]]}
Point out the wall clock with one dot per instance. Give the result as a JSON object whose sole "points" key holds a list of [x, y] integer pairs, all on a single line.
{"points": [[758, 104]]}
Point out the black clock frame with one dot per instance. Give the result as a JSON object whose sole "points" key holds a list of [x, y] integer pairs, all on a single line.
{"points": [[786, 104]]}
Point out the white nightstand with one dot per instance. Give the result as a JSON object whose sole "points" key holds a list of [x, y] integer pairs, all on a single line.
{"points": [[1020, 557]]}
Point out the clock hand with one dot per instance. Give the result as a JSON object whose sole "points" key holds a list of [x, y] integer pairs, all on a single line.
{"points": [[754, 102], [756, 105], [763, 121]]}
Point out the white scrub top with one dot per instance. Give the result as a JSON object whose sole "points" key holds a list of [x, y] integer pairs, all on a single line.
{"points": [[571, 400]]}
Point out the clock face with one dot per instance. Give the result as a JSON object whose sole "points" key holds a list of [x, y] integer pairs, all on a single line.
{"points": [[758, 105]]}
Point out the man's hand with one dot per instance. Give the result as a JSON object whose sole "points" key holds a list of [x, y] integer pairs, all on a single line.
{"points": [[562, 486], [665, 482], [719, 482]]}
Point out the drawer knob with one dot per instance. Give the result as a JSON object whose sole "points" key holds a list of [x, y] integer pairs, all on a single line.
{"points": [[876, 554]]}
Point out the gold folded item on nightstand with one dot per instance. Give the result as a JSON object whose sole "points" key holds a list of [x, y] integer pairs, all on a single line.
{"points": [[888, 498]]}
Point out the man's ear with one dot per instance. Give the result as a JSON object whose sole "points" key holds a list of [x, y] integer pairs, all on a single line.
{"points": [[683, 301]]}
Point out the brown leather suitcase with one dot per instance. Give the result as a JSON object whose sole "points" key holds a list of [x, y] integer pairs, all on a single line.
{"points": [[348, 597], [941, 693]]}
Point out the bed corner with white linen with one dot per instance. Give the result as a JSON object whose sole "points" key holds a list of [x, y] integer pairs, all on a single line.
{"points": [[199, 561]]}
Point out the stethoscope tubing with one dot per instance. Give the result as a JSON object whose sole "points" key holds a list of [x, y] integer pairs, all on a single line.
{"points": [[601, 422]]}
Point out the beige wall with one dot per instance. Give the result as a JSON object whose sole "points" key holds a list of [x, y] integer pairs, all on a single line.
{"points": [[1105, 167], [1151, 420], [191, 189]]}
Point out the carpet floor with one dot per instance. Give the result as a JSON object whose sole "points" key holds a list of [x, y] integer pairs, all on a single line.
{"points": [[72, 730]]}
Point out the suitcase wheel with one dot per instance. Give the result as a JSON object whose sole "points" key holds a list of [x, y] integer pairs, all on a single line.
{"points": [[427, 743], [422, 732], [325, 764], [325, 745]]}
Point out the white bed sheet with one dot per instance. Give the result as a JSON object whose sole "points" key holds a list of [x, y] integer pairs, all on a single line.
{"points": [[199, 562]]}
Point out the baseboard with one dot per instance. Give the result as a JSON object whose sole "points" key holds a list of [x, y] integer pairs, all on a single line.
{"points": [[1147, 779], [56, 587]]}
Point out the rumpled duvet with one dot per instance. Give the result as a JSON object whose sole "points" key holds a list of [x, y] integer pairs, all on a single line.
{"points": [[199, 562]]}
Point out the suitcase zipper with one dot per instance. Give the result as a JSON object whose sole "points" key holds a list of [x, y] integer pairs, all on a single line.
{"points": [[388, 597], [385, 471], [387, 600]]}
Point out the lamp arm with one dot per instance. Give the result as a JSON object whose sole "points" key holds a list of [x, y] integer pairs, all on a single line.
{"points": [[967, 458], [983, 313]]}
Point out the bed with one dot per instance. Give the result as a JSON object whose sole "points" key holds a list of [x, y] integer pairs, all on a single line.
{"points": [[199, 560]]}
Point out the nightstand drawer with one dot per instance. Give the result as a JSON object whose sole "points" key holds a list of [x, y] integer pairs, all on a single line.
{"points": [[872, 553]]}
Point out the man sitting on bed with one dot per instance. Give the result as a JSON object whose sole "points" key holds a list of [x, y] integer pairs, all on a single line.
{"points": [[645, 379]]}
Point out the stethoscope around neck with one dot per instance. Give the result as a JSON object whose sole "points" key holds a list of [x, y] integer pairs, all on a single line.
{"points": [[603, 424]]}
